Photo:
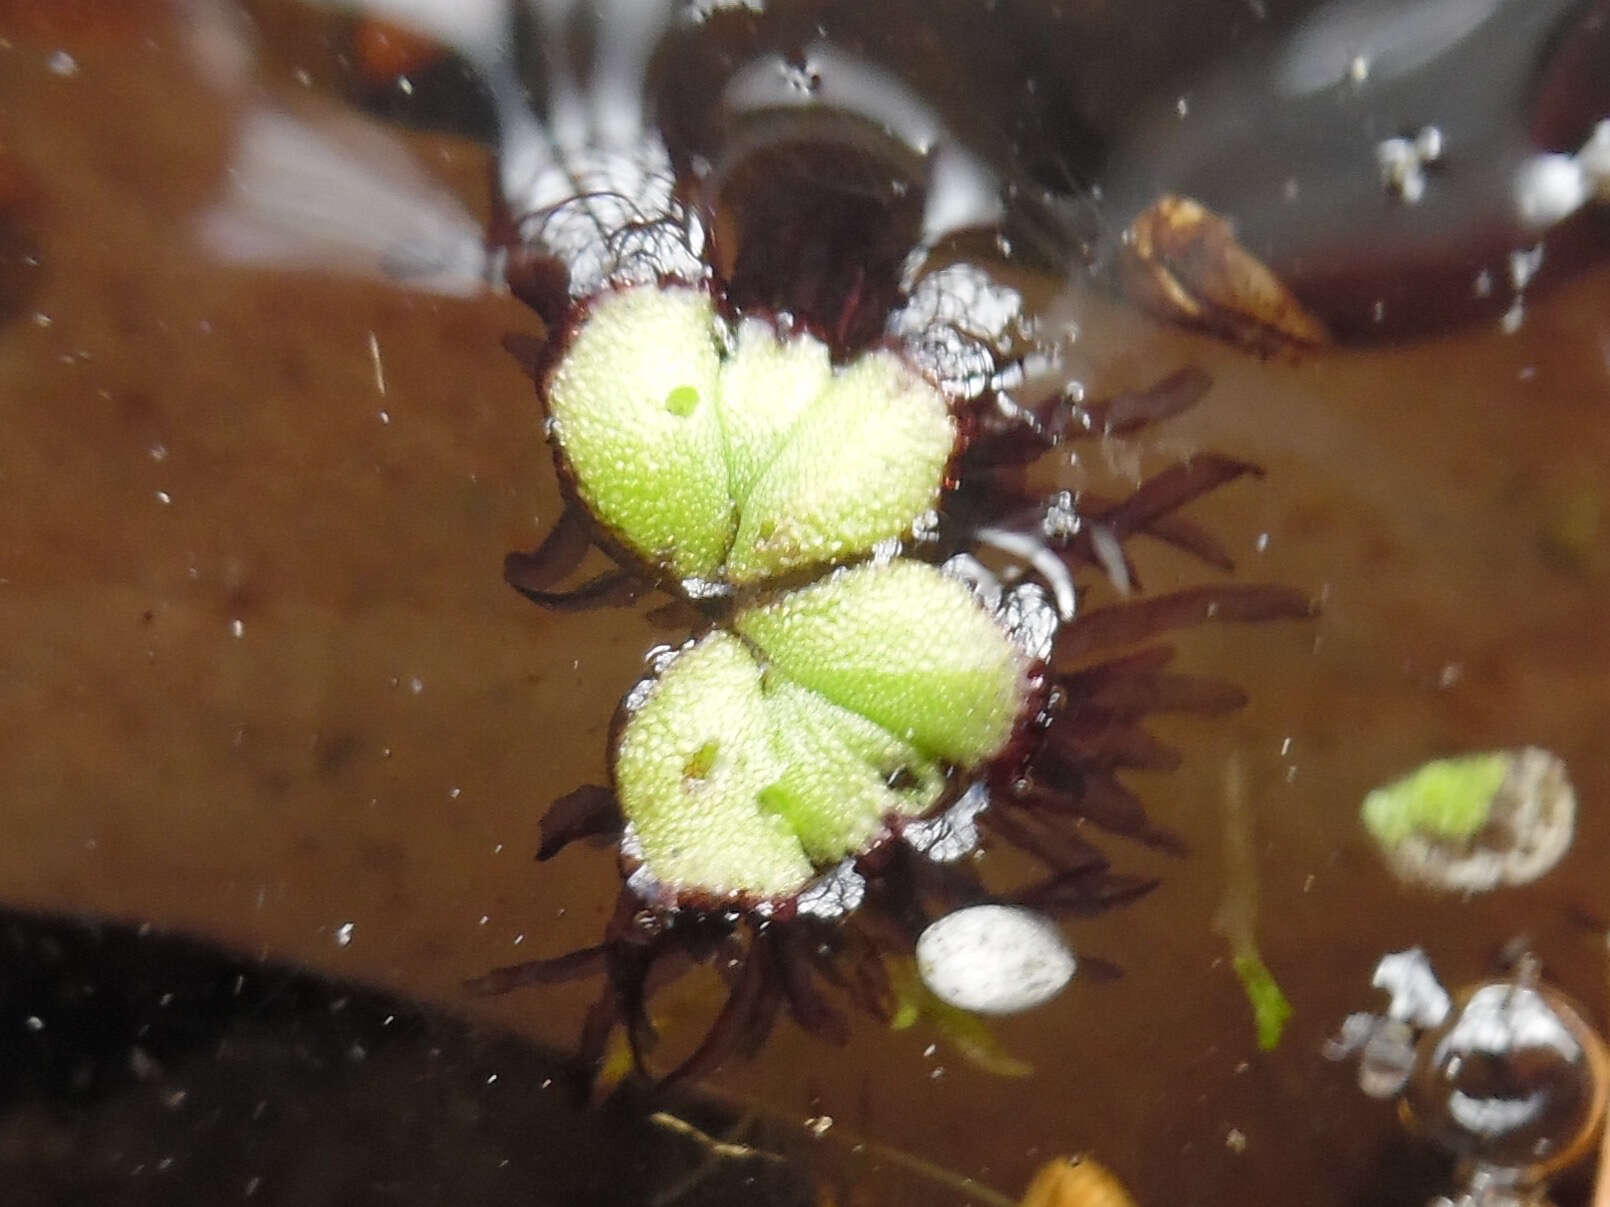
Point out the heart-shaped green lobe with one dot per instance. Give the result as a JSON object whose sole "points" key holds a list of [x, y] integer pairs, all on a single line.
{"points": [[904, 646], [742, 777], [632, 403], [740, 457]]}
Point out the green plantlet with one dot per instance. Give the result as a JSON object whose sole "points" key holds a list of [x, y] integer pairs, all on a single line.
{"points": [[1447, 799], [759, 757], [740, 456]]}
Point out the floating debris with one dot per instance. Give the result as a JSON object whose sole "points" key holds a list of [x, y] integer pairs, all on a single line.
{"points": [[994, 959], [1182, 261], [1403, 161], [1076, 1182], [1475, 822]]}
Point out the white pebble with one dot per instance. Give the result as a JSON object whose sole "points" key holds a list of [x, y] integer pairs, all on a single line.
{"points": [[994, 959]]}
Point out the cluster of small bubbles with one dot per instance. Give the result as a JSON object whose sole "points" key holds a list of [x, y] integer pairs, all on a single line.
{"points": [[1402, 162], [953, 834], [835, 895]]}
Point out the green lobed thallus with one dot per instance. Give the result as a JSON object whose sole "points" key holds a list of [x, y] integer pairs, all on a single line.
{"points": [[778, 745]]}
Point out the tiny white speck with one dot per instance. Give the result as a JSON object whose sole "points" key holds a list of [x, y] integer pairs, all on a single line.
{"points": [[485, 918], [1513, 318], [1358, 70], [34, 1023], [343, 933], [41, 319], [1182, 107], [303, 77], [237, 628], [491, 1079], [1285, 746], [454, 793], [385, 418], [164, 497], [62, 64], [405, 85], [519, 938], [1262, 543], [416, 685], [159, 452]]}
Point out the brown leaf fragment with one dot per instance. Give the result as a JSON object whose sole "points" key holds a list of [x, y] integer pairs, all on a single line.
{"points": [[1182, 261]]}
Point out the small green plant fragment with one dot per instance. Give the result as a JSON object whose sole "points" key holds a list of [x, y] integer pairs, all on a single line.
{"points": [[1446, 799], [682, 401], [653, 474], [962, 1030], [861, 465], [904, 646], [1271, 1010]]}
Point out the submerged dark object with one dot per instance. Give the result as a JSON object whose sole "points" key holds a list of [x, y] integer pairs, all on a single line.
{"points": [[143, 1067]]}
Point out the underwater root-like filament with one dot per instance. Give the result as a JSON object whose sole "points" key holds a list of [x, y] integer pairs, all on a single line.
{"points": [[1133, 622]]}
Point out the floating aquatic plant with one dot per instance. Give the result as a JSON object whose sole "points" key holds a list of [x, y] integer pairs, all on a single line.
{"points": [[809, 435]]}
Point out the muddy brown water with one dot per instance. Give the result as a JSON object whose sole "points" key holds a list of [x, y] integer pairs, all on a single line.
{"points": [[261, 680]]}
